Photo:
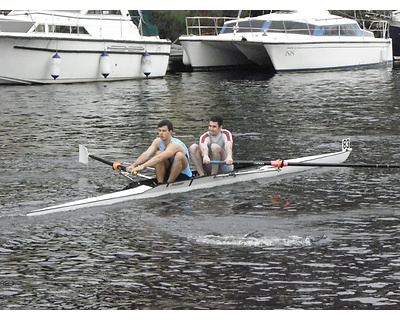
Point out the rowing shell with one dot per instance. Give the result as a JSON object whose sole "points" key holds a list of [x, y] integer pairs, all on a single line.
{"points": [[148, 189]]}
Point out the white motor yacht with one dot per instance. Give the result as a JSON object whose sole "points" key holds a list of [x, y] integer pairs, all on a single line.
{"points": [[45, 47], [293, 41], [394, 32]]}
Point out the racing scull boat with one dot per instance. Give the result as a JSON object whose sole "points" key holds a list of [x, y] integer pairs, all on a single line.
{"points": [[148, 188]]}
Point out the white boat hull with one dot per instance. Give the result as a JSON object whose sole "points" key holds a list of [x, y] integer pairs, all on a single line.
{"points": [[29, 60], [255, 52], [207, 52], [265, 172], [313, 55]]}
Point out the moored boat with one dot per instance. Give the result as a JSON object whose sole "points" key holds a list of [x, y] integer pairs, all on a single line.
{"points": [[208, 44], [69, 46], [148, 188], [322, 41], [293, 41], [394, 32]]}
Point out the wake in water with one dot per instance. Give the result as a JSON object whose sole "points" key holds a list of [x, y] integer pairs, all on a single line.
{"points": [[257, 240]]}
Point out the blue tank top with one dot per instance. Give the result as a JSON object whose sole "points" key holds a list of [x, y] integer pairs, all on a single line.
{"points": [[187, 170]]}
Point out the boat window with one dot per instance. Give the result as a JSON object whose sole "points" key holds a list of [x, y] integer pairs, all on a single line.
{"points": [[295, 27], [347, 30], [62, 29], [276, 26], [350, 30], [329, 30], [105, 12], [228, 27], [318, 31], [252, 25], [67, 29], [298, 27], [40, 28]]}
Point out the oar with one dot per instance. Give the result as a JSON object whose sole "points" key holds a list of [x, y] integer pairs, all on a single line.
{"points": [[84, 157], [282, 163]]}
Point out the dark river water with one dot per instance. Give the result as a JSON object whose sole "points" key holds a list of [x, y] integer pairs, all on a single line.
{"points": [[325, 239]]}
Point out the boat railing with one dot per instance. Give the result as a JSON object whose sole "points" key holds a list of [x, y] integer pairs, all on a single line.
{"points": [[71, 22], [201, 26], [380, 28]]}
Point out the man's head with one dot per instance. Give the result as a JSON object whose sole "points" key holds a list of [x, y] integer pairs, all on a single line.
{"points": [[165, 129], [166, 123], [215, 125], [217, 119]]}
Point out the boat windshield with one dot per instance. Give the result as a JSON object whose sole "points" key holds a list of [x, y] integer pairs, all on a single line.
{"points": [[294, 27], [252, 25], [346, 30]]}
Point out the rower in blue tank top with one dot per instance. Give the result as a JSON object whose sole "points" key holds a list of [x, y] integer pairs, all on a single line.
{"points": [[171, 156], [187, 171]]}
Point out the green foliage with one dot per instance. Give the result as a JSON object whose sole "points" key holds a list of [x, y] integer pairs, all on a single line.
{"points": [[171, 24]]}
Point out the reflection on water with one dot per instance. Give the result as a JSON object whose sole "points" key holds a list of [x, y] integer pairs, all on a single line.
{"points": [[325, 239]]}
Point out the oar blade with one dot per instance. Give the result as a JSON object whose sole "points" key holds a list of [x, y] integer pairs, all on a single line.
{"points": [[83, 154]]}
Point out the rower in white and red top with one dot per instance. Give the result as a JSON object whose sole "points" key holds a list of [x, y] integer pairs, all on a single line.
{"points": [[214, 145]]}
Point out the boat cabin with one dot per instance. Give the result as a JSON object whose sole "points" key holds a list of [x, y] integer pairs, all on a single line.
{"points": [[326, 27], [96, 23]]}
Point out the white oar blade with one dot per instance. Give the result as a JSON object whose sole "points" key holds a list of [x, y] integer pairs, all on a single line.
{"points": [[83, 154]]}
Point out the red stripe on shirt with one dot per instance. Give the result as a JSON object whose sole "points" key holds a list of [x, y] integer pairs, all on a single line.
{"points": [[204, 137], [227, 134]]}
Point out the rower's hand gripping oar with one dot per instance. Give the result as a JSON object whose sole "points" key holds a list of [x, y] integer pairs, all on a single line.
{"points": [[84, 157]]}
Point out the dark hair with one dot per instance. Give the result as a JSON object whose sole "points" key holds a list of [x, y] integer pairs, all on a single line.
{"points": [[166, 123], [217, 119]]}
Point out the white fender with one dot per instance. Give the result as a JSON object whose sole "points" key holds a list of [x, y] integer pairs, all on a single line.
{"points": [[146, 63], [55, 66], [105, 64], [185, 59]]}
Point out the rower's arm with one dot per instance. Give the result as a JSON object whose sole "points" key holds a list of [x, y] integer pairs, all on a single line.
{"points": [[162, 156], [228, 151], [147, 154], [204, 149], [204, 153]]}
